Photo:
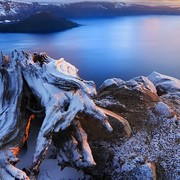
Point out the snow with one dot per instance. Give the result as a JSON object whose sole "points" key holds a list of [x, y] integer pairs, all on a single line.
{"points": [[125, 123], [65, 67], [7, 170], [57, 85], [139, 83], [2, 11], [155, 139], [120, 5], [9, 100], [163, 109], [144, 82], [101, 6], [12, 8], [167, 83], [43, 82], [64, 94], [109, 82], [67, 72], [151, 83], [51, 171], [7, 21], [156, 142], [109, 101]]}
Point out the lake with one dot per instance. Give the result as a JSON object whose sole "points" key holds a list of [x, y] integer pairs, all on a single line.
{"points": [[122, 47]]}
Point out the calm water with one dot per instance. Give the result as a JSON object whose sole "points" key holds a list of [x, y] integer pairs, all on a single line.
{"points": [[121, 47]]}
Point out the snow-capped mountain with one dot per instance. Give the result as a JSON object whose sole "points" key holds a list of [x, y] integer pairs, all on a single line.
{"points": [[14, 10], [121, 5]]}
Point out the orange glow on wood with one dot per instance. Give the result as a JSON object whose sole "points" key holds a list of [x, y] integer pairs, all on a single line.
{"points": [[28, 127], [15, 151]]}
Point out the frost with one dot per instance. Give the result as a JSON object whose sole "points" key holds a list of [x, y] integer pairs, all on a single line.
{"points": [[55, 87], [114, 81], [165, 84], [163, 109]]}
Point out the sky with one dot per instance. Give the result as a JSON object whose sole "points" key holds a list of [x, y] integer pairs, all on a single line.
{"points": [[148, 2]]}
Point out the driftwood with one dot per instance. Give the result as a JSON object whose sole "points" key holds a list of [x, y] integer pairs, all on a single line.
{"points": [[37, 83]]}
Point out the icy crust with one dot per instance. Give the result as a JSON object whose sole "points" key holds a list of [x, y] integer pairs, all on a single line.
{"points": [[63, 96]]}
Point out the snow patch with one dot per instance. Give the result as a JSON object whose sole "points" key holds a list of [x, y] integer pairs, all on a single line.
{"points": [[165, 83], [51, 171], [120, 5], [112, 82], [163, 109]]}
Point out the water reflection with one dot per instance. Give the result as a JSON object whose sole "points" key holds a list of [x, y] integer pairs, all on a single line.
{"points": [[122, 47]]}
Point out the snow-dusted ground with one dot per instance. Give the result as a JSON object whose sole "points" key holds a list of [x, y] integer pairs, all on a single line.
{"points": [[49, 169], [153, 151]]}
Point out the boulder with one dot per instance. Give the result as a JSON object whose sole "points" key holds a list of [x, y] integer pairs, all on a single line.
{"points": [[152, 152]]}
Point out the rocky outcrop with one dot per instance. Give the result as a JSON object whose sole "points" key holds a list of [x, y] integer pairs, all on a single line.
{"points": [[35, 86], [152, 106]]}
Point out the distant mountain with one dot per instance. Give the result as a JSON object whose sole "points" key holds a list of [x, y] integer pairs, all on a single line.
{"points": [[10, 10], [38, 23]]}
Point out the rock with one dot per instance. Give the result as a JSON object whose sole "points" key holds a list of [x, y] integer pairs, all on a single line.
{"points": [[128, 95], [146, 171], [152, 152], [165, 84], [163, 109], [137, 169]]}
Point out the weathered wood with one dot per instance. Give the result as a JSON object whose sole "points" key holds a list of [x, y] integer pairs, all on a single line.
{"points": [[62, 95]]}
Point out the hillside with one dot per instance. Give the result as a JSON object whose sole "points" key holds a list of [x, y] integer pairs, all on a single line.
{"points": [[10, 10], [38, 23]]}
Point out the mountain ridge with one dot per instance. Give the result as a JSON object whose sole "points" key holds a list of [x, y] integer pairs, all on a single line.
{"points": [[42, 22], [11, 10]]}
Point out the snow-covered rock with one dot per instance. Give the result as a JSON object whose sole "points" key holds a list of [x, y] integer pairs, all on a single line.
{"points": [[152, 152], [163, 109], [165, 84], [139, 83], [135, 92], [138, 170]]}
